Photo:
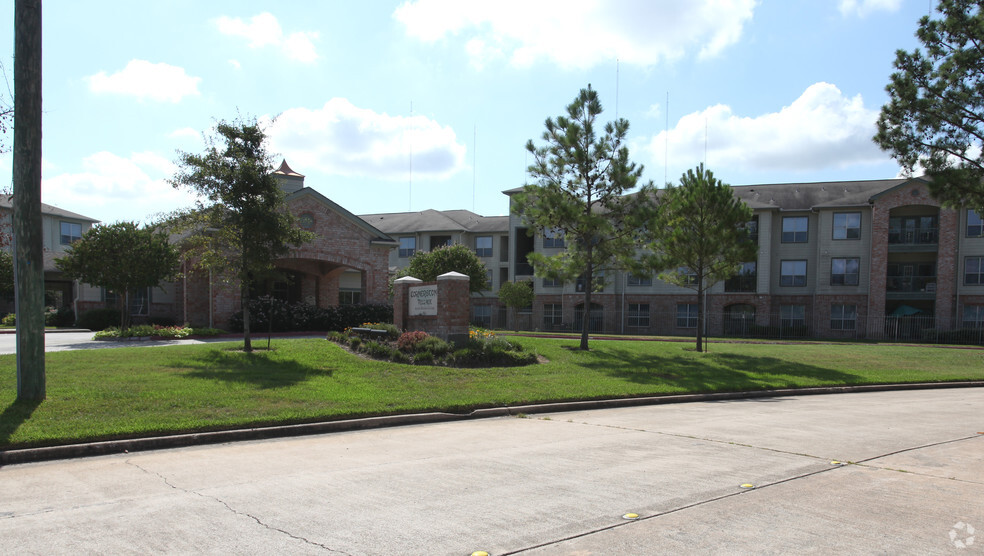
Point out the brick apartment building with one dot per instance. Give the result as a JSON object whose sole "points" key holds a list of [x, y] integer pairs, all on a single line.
{"points": [[848, 259]]}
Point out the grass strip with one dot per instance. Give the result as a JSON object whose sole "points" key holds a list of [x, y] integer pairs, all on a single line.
{"points": [[134, 391]]}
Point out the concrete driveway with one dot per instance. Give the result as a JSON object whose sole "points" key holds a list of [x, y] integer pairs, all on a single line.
{"points": [[72, 340], [547, 484]]}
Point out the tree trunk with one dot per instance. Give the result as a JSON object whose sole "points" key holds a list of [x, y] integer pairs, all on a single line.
{"points": [[124, 310], [247, 342], [700, 313], [586, 317], [28, 242]]}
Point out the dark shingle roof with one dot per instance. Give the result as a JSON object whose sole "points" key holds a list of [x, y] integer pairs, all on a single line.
{"points": [[436, 221], [6, 202]]}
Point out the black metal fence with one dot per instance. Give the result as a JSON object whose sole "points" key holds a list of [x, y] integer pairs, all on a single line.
{"points": [[918, 328]]}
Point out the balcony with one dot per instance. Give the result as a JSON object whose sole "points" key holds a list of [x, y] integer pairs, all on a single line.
{"points": [[923, 236], [910, 287]]}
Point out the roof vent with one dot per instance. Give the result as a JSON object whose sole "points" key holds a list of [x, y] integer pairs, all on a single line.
{"points": [[289, 180]]}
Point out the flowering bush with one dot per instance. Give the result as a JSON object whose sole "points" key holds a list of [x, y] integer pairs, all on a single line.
{"points": [[408, 340]]}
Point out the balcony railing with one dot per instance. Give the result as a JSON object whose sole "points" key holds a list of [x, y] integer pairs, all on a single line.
{"points": [[743, 283], [911, 284], [922, 236]]}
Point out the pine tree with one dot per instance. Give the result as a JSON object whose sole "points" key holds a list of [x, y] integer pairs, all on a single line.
{"points": [[581, 175]]}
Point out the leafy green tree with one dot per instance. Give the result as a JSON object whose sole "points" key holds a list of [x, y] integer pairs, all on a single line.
{"points": [[241, 224], [580, 176], [700, 227], [427, 266], [121, 257], [6, 275], [517, 295], [935, 114]]}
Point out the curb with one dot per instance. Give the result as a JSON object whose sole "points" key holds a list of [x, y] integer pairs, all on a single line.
{"points": [[68, 451]]}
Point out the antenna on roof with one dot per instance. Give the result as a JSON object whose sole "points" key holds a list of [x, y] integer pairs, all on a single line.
{"points": [[410, 172], [666, 139], [616, 88], [474, 160]]}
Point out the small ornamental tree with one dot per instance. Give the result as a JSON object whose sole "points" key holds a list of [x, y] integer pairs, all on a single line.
{"points": [[242, 224], [427, 266], [700, 227], [517, 295], [121, 257]]}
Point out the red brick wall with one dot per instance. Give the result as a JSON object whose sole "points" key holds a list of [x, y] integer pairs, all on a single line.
{"points": [[915, 193]]}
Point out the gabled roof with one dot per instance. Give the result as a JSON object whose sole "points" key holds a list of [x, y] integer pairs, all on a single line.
{"points": [[808, 196], [377, 235], [6, 202], [431, 220]]}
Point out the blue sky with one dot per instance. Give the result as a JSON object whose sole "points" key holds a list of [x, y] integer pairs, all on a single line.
{"points": [[409, 105]]}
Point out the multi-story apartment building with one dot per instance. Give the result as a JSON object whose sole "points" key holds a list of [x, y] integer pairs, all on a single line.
{"points": [[59, 229], [858, 259], [426, 230]]}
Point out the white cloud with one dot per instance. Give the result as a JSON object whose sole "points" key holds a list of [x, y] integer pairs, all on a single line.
{"points": [[863, 8], [579, 33], [820, 129], [145, 80], [342, 139], [185, 133], [235, 63], [264, 30], [111, 187]]}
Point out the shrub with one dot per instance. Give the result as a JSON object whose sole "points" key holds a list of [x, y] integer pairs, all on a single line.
{"points": [[9, 320], [99, 319], [435, 345], [398, 356], [305, 317], [355, 342], [378, 350], [206, 331], [63, 316], [423, 358], [408, 340]]}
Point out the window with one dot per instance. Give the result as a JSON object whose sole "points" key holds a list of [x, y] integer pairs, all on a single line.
{"points": [[635, 280], [792, 315], [686, 315], [752, 227], [483, 246], [744, 280], [973, 316], [792, 273], [488, 279], [795, 229], [482, 316], [975, 227], [349, 297], [553, 314], [843, 317], [844, 272], [597, 282], [688, 277], [847, 225], [974, 271], [439, 241], [408, 246], [70, 232], [553, 238], [552, 283], [638, 315]]}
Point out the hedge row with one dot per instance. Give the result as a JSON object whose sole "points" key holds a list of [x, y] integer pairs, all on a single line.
{"points": [[304, 317]]}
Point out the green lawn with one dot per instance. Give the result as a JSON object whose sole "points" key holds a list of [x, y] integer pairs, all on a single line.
{"points": [[111, 393]]}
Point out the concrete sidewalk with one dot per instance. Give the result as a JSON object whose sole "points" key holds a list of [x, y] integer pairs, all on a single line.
{"points": [[548, 484]]}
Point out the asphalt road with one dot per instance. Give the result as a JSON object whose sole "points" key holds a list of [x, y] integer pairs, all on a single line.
{"points": [[547, 484]]}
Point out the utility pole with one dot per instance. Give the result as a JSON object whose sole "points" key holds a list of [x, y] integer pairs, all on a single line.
{"points": [[28, 242]]}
